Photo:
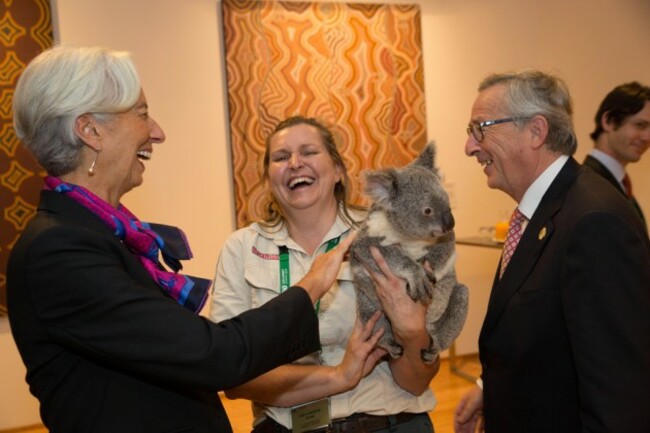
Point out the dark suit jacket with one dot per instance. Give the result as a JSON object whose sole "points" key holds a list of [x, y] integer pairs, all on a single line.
{"points": [[565, 345], [599, 168], [107, 351]]}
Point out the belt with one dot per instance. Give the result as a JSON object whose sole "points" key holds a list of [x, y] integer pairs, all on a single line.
{"points": [[356, 423]]}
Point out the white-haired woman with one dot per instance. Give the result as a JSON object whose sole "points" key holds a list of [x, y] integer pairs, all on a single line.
{"points": [[109, 332]]}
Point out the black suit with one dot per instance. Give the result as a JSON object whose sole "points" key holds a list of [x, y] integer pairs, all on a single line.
{"points": [[565, 345], [599, 168], [107, 351]]}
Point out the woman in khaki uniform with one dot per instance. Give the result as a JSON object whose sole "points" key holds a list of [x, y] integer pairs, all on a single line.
{"points": [[344, 385]]}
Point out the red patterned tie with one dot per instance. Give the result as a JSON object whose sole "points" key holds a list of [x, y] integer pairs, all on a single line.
{"points": [[512, 238], [627, 184]]}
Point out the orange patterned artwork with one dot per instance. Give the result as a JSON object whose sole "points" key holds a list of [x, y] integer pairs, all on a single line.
{"points": [[355, 67], [25, 31]]}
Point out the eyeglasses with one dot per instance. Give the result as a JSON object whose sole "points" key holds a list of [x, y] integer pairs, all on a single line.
{"points": [[476, 129]]}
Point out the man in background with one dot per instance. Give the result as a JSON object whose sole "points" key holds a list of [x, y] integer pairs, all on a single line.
{"points": [[622, 136]]}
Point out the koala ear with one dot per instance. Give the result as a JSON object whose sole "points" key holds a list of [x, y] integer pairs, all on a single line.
{"points": [[380, 185], [427, 158]]}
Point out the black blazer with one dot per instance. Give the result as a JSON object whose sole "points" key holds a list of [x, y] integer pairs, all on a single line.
{"points": [[107, 351], [599, 168], [565, 345]]}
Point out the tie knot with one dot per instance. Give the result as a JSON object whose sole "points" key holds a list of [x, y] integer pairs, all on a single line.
{"points": [[517, 218]]}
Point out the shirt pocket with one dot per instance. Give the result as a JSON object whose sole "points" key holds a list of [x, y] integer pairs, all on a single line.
{"points": [[333, 295], [338, 314], [263, 278]]}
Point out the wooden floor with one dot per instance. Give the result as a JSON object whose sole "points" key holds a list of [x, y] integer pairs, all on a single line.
{"points": [[447, 387]]}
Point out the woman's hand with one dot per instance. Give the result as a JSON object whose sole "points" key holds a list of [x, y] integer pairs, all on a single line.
{"points": [[362, 354], [408, 322], [468, 417], [407, 317], [325, 268]]}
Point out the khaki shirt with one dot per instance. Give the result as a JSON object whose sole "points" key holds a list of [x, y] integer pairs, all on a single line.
{"points": [[248, 275]]}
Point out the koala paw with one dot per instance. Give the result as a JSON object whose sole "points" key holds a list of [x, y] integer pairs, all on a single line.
{"points": [[393, 349], [429, 355], [420, 287], [430, 273]]}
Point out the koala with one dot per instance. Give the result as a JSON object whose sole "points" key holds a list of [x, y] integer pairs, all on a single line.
{"points": [[410, 222]]}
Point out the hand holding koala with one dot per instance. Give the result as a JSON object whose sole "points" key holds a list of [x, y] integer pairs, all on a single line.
{"points": [[410, 222]]}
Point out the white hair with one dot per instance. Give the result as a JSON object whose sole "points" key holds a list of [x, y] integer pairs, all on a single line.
{"points": [[61, 84], [531, 92]]}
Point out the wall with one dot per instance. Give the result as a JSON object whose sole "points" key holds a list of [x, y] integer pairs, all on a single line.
{"points": [[593, 44], [464, 41], [17, 406]]}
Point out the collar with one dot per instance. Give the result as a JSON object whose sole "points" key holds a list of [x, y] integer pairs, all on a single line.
{"points": [[281, 235], [533, 195], [614, 167]]}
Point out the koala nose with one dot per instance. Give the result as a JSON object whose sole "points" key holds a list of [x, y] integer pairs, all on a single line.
{"points": [[448, 222]]}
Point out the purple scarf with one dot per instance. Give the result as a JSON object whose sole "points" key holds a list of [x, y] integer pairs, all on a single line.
{"points": [[145, 241]]}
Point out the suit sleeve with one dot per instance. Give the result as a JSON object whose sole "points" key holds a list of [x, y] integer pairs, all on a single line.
{"points": [[94, 300], [607, 305]]}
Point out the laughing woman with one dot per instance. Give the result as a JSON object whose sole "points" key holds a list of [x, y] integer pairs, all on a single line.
{"points": [[110, 337], [348, 383]]}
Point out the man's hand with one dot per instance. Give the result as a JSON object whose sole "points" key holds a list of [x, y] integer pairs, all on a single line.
{"points": [[468, 417]]}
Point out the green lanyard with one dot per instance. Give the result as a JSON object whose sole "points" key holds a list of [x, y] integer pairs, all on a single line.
{"points": [[284, 266]]}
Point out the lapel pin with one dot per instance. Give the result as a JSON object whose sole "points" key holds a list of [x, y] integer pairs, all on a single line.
{"points": [[542, 233]]}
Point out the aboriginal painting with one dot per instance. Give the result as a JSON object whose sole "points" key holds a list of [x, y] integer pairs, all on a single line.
{"points": [[357, 68], [25, 31]]}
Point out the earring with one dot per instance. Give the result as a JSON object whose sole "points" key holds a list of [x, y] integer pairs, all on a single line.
{"points": [[91, 170]]}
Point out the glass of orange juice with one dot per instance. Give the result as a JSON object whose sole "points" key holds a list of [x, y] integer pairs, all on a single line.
{"points": [[500, 230]]}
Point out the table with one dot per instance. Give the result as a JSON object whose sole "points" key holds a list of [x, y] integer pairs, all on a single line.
{"points": [[479, 241]]}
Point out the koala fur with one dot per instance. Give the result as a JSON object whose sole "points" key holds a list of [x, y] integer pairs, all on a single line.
{"points": [[410, 221]]}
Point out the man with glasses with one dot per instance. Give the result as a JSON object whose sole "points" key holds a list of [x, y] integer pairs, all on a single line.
{"points": [[622, 136], [564, 345]]}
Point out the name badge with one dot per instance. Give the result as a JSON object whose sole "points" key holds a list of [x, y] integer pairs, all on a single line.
{"points": [[311, 416]]}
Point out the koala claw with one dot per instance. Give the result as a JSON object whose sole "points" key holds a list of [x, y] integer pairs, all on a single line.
{"points": [[421, 290], [430, 273], [394, 350], [429, 355]]}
